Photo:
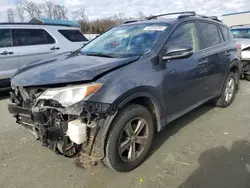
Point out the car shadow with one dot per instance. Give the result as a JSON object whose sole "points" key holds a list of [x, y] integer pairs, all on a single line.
{"points": [[4, 94], [173, 127], [222, 167]]}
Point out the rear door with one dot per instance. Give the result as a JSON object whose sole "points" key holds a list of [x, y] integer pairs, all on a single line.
{"points": [[185, 79], [8, 57], [217, 52], [33, 45]]}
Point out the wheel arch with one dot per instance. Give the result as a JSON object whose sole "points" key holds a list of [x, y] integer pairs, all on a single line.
{"points": [[147, 97], [142, 96], [235, 68]]}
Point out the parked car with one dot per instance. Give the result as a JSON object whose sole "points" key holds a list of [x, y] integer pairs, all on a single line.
{"points": [[21, 44], [107, 101], [241, 34]]}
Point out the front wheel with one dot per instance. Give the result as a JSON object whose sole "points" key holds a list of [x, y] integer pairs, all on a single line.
{"points": [[129, 139], [228, 91]]}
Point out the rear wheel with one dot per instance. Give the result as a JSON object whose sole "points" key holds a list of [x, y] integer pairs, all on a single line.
{"points": [[129, 139], [228, 91]]}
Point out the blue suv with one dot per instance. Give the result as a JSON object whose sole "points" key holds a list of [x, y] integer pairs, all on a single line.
{"points": [[106, 100]]}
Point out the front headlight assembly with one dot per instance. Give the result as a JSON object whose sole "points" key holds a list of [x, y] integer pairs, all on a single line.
{"points": [[70, 95]]}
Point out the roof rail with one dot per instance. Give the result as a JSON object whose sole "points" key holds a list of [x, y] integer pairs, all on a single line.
{"points": [[131, 21], [210, 17], [190, 13], [20, 23], [241, 25], [236, 26]]}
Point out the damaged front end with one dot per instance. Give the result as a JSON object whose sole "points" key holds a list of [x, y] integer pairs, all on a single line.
{"points": [[67, 130]]}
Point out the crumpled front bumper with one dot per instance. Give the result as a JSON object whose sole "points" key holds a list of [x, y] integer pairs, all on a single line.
{"points": [[25, 115], [49, 131], [49, 124]]}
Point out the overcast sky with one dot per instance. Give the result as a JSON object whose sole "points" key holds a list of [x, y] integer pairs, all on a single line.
{"points": [[106, 8]]}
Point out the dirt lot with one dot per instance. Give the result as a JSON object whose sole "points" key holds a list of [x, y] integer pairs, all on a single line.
{"points": [[209, 147]]}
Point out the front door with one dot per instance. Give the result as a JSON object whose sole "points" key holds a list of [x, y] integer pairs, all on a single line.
{"points": [[34, 45], [184, 79]]}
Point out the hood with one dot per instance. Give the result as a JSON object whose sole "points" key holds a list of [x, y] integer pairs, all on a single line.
{"points": [[245, 43], [65, 69]]}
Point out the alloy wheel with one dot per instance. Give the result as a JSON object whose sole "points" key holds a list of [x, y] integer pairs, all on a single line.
{"points": [[133, 139], [229, 92]]}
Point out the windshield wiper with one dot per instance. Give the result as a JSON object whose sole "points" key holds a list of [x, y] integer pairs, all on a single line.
{"points": [[99, 55]]}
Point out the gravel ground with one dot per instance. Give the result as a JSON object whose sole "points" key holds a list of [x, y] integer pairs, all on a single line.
{"points": [[208, 148]]}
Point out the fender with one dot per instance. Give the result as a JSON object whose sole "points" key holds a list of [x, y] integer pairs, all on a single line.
{"points": [[148, 92], [234, 63]]}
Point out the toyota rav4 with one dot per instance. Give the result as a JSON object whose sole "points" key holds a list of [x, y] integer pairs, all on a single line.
{"points": [[106, 101]]}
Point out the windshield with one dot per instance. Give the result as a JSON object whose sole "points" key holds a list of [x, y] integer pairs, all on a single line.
{"points": [[241, 33], [126, 40]]}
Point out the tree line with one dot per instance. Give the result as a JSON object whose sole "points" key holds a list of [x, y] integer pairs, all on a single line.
{"points": [[51, 10]]}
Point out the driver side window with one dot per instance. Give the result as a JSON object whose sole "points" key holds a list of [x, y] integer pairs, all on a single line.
{"points": [[186, 35]]}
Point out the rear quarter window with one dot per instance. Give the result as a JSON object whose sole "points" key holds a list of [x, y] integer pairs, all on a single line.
{"points": [[73, 35], [225, 32]]}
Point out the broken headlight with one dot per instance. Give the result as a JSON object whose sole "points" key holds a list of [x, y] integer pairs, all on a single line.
{"points": [[70, 95]]}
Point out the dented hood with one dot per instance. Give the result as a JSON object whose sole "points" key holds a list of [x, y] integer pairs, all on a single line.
{"points": [[66, 68]]}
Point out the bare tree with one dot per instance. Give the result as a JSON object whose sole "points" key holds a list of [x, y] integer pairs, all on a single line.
{"points": [[74, 15], [20, 10], [141, 15], [63, 12], [38, 11], [60, 12], [81, 13], [11, 15], [31, 8], [48, 8]]}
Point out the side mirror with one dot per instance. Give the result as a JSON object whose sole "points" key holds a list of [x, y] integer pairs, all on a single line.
{"points": [[178, 52]]}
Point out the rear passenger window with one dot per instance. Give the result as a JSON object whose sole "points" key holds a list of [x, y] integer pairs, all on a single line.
{"points": [[73, 35], [5, 38], [210, 34], [186, 35], [30, 37], [221, 37], [225, 32]]}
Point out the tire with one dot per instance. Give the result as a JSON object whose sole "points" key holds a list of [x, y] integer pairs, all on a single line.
{"points": [[117, 160], [247, 77], [222, 101]]}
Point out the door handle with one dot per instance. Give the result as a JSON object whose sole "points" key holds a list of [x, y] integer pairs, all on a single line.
{"points": [[54, 48], [6, 53], [227, 53], [202, 62]]}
